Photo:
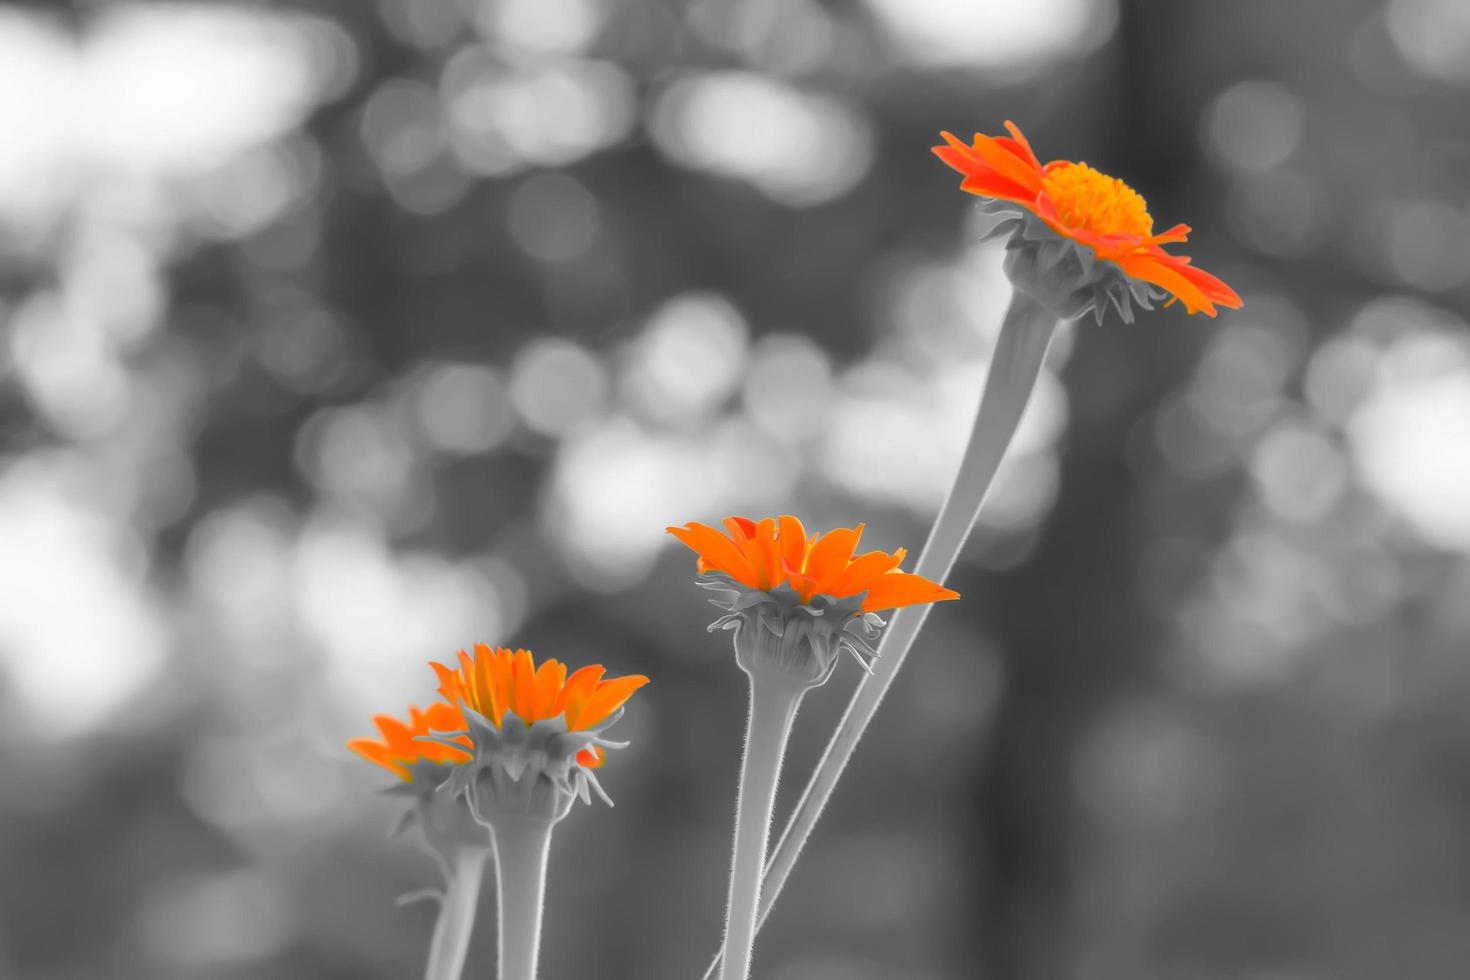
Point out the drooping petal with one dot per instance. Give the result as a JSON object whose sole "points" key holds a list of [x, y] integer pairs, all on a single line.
{"points": [[1168, 276], [1211, 286]]}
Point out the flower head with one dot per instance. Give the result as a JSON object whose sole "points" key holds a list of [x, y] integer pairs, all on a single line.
{"points": [[400, 750], [795, 600], [424, 766], [536, 732], [1079, 238]]}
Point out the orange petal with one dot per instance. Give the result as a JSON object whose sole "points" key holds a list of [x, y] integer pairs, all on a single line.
{"points": [[449, 686], [793, 543], [1167, 276], [986, 158], [396, 734], [979, 178], [766, 556], [578, 689], [1022, 146], [608, 697], [804, 585], [831, 554], [549, 680], [1211, 286], [1179, 233], [523, 685], [378, 754], [1006, 163], [502, 675], [862, 571], [898, 589], [742, 529], [717, 551], [487, 696]]}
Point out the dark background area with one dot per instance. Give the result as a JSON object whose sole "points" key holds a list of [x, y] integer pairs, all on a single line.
{"points": [[337, 336]]}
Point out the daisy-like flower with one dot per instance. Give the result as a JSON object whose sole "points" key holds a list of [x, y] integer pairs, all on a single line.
{"points": [[1078, 238], [536, 732], [537, 736], [422, 767], [458, 843], [400, 751], [795, 600]]}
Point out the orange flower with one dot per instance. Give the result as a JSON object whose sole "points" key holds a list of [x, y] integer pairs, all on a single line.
{"points": [[500, 681], [400, 748], [1087, 207], [777, 551]]}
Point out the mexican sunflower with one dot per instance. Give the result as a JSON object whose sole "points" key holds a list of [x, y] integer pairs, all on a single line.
{"points": [[1079, 236], [799, 597], [401, 751], [499, 682], [536, 732]]}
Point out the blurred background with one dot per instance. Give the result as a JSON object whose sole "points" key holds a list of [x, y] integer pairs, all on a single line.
{"points": [[338, 335]]}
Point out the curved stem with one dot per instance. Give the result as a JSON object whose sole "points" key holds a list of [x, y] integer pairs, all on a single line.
{"points": [[521, 847], [451, 940], [1014, 368], [773, 702]]}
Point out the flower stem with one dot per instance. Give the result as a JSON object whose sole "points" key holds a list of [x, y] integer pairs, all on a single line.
{"points": [[773, 701], [1014, 368], [451, 938], [521, 847]]}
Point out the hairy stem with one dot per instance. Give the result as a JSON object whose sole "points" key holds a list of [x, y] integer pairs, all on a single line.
{"points": [[451, 940], [773, 702], [521, 847], [1019, 352]]}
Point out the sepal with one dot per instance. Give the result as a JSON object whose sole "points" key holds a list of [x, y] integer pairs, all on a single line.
{"points": [[526, 770], [774, 629], [1062, 275]]}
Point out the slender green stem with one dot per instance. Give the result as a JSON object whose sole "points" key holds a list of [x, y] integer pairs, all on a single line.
{"points": [[773, 702], [451, 938], [1019, 352], [521, 846]]}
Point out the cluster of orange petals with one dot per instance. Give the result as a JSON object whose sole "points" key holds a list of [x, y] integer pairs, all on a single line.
{"points": [[492, 683], [400, 747], [1087, 207], [773, 552]]}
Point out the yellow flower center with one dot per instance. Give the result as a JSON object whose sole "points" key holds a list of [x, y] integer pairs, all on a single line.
{"points": [[1087, 198]]}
